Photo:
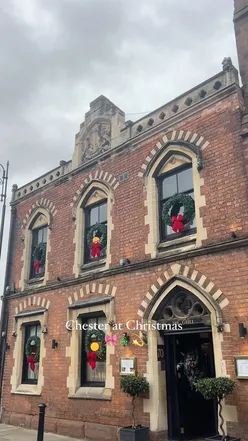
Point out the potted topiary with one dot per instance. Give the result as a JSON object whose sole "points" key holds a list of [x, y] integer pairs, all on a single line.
{"points": [[134, 386], [217, 389]]}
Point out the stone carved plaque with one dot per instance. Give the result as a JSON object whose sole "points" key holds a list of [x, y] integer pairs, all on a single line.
{"points": [[96, 140]]}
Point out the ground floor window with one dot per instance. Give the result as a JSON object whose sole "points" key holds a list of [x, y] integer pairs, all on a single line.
{"points": [[30, 370], [93, 372]]}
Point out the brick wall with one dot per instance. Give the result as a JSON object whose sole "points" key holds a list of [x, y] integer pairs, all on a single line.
{"points": [[225, 189]]}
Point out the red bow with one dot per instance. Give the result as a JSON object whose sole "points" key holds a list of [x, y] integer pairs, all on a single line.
{"points": [[177, 223], [92, 359], [95, 249], [31, 363], [37, 266]]}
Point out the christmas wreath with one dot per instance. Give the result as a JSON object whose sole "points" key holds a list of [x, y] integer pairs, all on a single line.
{"points": [[32, 351], [190, 368], [97, 239], [171, 208], [39, 256], [95, 346]]}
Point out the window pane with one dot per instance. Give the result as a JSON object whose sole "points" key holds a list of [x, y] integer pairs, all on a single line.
{"points": [[93, 216], [103, 213], [169, 186], [99, 373], [193, 223], [44, 235], [185, 180], [40, 235], [29, 375], [35, 235]]}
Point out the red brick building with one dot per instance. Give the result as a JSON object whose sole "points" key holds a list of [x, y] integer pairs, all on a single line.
{"points": [[120, 177]]}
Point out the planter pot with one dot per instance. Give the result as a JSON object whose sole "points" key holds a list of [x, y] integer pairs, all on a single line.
{"points": [[140, 433], [219, 438]]}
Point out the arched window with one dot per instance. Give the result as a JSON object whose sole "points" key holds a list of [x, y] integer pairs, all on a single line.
{"points": [[96, 218], [36, 238], [178, 180], [173, 171], [39, 230], [93, 227]]}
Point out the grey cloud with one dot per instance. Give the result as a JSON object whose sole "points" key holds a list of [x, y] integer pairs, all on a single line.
{"points": [[58, 55]]}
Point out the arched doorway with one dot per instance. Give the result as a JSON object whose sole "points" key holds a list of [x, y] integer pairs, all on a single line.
{"points": [[188, 349]]}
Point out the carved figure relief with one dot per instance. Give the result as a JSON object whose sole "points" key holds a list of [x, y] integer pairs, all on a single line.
{"points": [[96, 141]]}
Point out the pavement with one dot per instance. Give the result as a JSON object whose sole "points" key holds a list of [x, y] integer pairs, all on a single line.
{"points": [[13, 433]]}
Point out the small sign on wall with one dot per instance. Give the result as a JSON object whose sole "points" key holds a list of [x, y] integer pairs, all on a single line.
{"points": [[128, 366], [241, 364]]}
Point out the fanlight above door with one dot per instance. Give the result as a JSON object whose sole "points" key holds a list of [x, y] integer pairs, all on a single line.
{"points": [[182, 306]]}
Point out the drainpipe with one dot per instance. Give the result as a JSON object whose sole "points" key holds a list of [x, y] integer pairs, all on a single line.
{"points": [[4, 310]]}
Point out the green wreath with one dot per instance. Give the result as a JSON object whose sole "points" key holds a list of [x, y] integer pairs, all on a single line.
{"points": [[100, 335], [97, 228], [39, 253], [173, 205], [29, 348]]}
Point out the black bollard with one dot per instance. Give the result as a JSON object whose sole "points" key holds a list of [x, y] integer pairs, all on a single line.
{"points": [[40, 434]]}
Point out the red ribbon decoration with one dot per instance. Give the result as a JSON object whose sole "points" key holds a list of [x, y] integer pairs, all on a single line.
{"points": [[95, 249], [37, 266], [92, 359], [177, 223], [31, 363]]}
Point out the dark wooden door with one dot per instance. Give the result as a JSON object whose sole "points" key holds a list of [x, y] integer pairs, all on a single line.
{"points": [[189, 415]]}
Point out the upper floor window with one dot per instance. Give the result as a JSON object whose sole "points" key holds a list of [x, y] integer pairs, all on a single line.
{"points": [[38, 252], [95, 231], [93, 360], [179, 180], [30, 371]]}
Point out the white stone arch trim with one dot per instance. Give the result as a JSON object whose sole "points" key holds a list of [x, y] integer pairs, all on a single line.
{"points": [[92, 288], [173, 147], [193, 278], [79, 218], [44, 203], [173, 136], [99, 177], [32, 301], [156, 405]]}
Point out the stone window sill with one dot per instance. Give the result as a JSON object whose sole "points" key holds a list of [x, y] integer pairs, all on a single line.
{"points": [[92, 266], [27, 389], [35, 280], [93, 393], [180, 244]]}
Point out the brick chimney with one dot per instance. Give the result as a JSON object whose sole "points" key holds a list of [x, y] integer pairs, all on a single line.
{"points": [[241, 33]]}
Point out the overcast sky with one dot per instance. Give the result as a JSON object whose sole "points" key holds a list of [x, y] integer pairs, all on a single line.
{"points": [[56, 56]]}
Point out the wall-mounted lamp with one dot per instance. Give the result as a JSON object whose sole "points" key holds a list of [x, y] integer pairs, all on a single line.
{"points": [[242, 330], [54, 344], [220, 327], [233, 235]]}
